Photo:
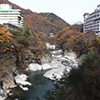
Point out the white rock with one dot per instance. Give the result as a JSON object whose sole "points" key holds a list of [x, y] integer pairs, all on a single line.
{"points": [[8, 91], [34, 67], [46, 66], [57, 68], [68, 68], [16, 99], [11, 94], [26, 69], [49, 46], [56, 62], [1, 98], [57, 72], [21, 79], [56, 52], [24, 88], [71, 56], [46, 58], [3, 95]]}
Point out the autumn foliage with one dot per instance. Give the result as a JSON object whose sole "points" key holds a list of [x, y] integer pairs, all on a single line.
{"points": [[85, 79], [15, 45], [82, 83], [68, 38], [5, 39]]}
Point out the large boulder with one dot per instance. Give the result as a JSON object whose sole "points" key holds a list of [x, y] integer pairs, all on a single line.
{"points": [[3, 95], [46, 58], [72, 57], [34, 67], [21, 79], [49, 46], [46, 66], [8, 81], [56, 73]]}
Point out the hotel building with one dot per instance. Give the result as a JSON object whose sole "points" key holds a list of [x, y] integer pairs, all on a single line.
{"points": [[92, 21], [10, 18]]}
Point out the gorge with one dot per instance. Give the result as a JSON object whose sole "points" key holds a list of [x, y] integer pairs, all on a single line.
{"points": [[36, 76], [49, 60]]}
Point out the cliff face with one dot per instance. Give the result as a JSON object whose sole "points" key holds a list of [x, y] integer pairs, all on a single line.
{"points": [[40, 23]]}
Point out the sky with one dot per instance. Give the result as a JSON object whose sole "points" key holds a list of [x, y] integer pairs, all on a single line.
{"points": [[71, 11]]}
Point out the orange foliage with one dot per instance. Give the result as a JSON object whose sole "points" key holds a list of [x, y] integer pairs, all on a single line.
{"points": [[5, 39], [40, 42], [68, 38]]}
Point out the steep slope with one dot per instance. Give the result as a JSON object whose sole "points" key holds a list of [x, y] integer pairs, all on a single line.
{"points": [[54, 19], [36, 22]]}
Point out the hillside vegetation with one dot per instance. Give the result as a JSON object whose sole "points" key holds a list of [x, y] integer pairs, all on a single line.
{"points": [[17, 47], [55, 19], [38, 23], [82, 83]]}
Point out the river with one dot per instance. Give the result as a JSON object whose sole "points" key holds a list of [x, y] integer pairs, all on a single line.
{"points": [[40, 85]]}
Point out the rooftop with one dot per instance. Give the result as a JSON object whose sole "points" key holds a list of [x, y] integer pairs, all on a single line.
{"points": [[11, 10]]}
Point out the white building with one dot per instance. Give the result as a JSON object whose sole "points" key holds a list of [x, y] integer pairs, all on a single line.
{"points": [[10, 17], [92, 21]]}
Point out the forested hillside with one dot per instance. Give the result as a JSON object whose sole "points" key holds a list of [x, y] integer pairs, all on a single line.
{"points": [[20, 47], [38, 23], [54, 19], [17, 47], [82, 83]]}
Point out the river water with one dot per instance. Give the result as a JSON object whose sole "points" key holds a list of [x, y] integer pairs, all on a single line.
{"points": [[39, 86]]}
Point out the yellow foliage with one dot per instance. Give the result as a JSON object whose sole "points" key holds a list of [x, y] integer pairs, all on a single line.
{"points": [[5, 35], [66, 28], [12, 46], [5, 49], [72, 37], [98, 40], [33, 57], [5, 38], [40, 43]]}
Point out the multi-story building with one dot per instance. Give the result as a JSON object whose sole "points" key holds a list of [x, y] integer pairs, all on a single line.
{"points": [[10, 17], [92, 21]]}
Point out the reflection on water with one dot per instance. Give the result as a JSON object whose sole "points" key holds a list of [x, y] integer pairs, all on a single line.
{"points": [[39, 86]]}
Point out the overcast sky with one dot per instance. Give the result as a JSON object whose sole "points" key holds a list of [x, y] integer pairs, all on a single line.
{"points": [[70, 10]]}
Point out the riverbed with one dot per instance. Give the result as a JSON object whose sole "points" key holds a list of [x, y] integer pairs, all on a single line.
{"points": [[39, 86]]}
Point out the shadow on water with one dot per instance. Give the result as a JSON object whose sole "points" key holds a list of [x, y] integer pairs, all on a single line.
{"points": [[39, 86]]}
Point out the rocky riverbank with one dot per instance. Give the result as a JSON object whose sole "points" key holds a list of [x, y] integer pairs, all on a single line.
{"points": [[57, 62]]}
